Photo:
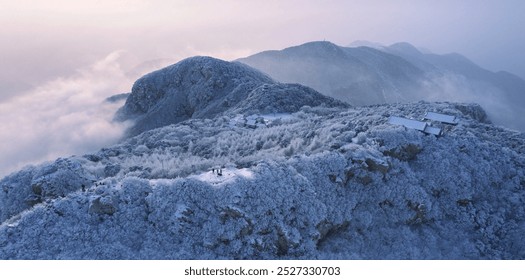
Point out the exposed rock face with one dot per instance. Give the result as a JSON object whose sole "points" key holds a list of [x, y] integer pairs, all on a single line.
{"points": [[474, 111], [102, 205]]}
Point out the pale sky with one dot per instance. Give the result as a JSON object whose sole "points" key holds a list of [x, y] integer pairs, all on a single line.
{"points": [[59, 55], [53, 37]]}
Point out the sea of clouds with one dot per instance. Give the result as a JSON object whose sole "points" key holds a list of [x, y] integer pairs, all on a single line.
{"points": [[65, 116]]}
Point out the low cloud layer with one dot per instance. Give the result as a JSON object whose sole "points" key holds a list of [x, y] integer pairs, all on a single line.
{"points": [[65, 116], [457, 88]]}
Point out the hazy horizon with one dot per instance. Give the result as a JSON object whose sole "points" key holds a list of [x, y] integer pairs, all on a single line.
{"points": [[60, 59], [55, 38]]}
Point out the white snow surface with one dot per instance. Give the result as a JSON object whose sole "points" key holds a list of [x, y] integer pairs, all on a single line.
{"points": [[325, 183], [228, 176]]}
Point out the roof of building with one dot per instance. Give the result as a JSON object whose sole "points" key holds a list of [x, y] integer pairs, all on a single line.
{"points": [[419, 125], [407, 123], [448, 119]]}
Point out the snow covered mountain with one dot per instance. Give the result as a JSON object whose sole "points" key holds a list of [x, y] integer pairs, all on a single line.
{"points": [[359, 76], [205, 87], [226, 163], [318, 183], [396, 73]]}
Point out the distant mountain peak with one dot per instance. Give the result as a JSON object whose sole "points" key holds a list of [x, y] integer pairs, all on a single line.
{"points": [[317, 48], [400, 72], [364, 43], [320, 44], [406, 48], [359, 76]]}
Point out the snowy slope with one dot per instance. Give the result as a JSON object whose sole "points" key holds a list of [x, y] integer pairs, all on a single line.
{"points": [[322, 183]]}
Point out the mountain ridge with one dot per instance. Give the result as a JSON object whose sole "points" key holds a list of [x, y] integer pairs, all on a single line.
{"points": [[336, 71], [397, 73], [277, 172], [204, 87]]}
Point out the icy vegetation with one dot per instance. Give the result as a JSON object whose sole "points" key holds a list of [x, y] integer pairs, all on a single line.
{"points": [[277, 172], [321, 183], [373, 74]]}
